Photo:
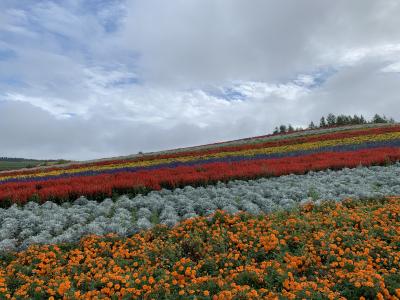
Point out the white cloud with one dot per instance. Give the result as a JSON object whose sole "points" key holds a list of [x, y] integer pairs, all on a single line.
{"points": [[306, 80], [392, 67], [262, 90]]}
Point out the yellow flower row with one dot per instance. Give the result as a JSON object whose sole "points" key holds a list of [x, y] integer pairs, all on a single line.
{"points": [[243, 153]]}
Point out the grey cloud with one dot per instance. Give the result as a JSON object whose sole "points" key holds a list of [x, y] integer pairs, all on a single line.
{"points": [[207, 41], [362, 88], [69, 60]]}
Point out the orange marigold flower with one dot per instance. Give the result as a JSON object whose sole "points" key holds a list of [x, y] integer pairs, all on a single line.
{"points": [[397, 292], [379, 296]]}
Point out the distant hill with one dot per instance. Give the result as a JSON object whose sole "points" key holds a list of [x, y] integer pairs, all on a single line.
{"points": [[13, 163]]}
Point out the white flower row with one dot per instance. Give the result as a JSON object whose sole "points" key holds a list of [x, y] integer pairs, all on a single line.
{"points": [[52, 223]]}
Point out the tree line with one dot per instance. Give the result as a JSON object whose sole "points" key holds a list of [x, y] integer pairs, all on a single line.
{"points": [[16, 159], [332, 120]]}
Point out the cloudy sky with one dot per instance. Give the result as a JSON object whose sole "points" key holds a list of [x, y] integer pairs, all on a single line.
{"points": [[84, 79]]}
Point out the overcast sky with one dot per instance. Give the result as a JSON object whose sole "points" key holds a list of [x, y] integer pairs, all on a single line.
{"points": [[84, 79]]}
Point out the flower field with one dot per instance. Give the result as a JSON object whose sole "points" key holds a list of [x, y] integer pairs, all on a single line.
{"points": [[306, 215], [345, 250], [267, 157]]}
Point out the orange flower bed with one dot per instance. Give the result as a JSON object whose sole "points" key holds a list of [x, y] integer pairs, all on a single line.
{"points": [[348, 250]]}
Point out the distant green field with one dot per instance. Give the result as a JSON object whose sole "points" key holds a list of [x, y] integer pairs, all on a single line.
{"points": [[15, 164]]}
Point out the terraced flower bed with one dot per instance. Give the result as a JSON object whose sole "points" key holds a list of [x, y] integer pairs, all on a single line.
{"points": [[343, 250], [267, 157]]}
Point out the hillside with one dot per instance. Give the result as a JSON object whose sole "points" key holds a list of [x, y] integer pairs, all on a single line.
{"points": [[265, 156], [283, 215]]}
